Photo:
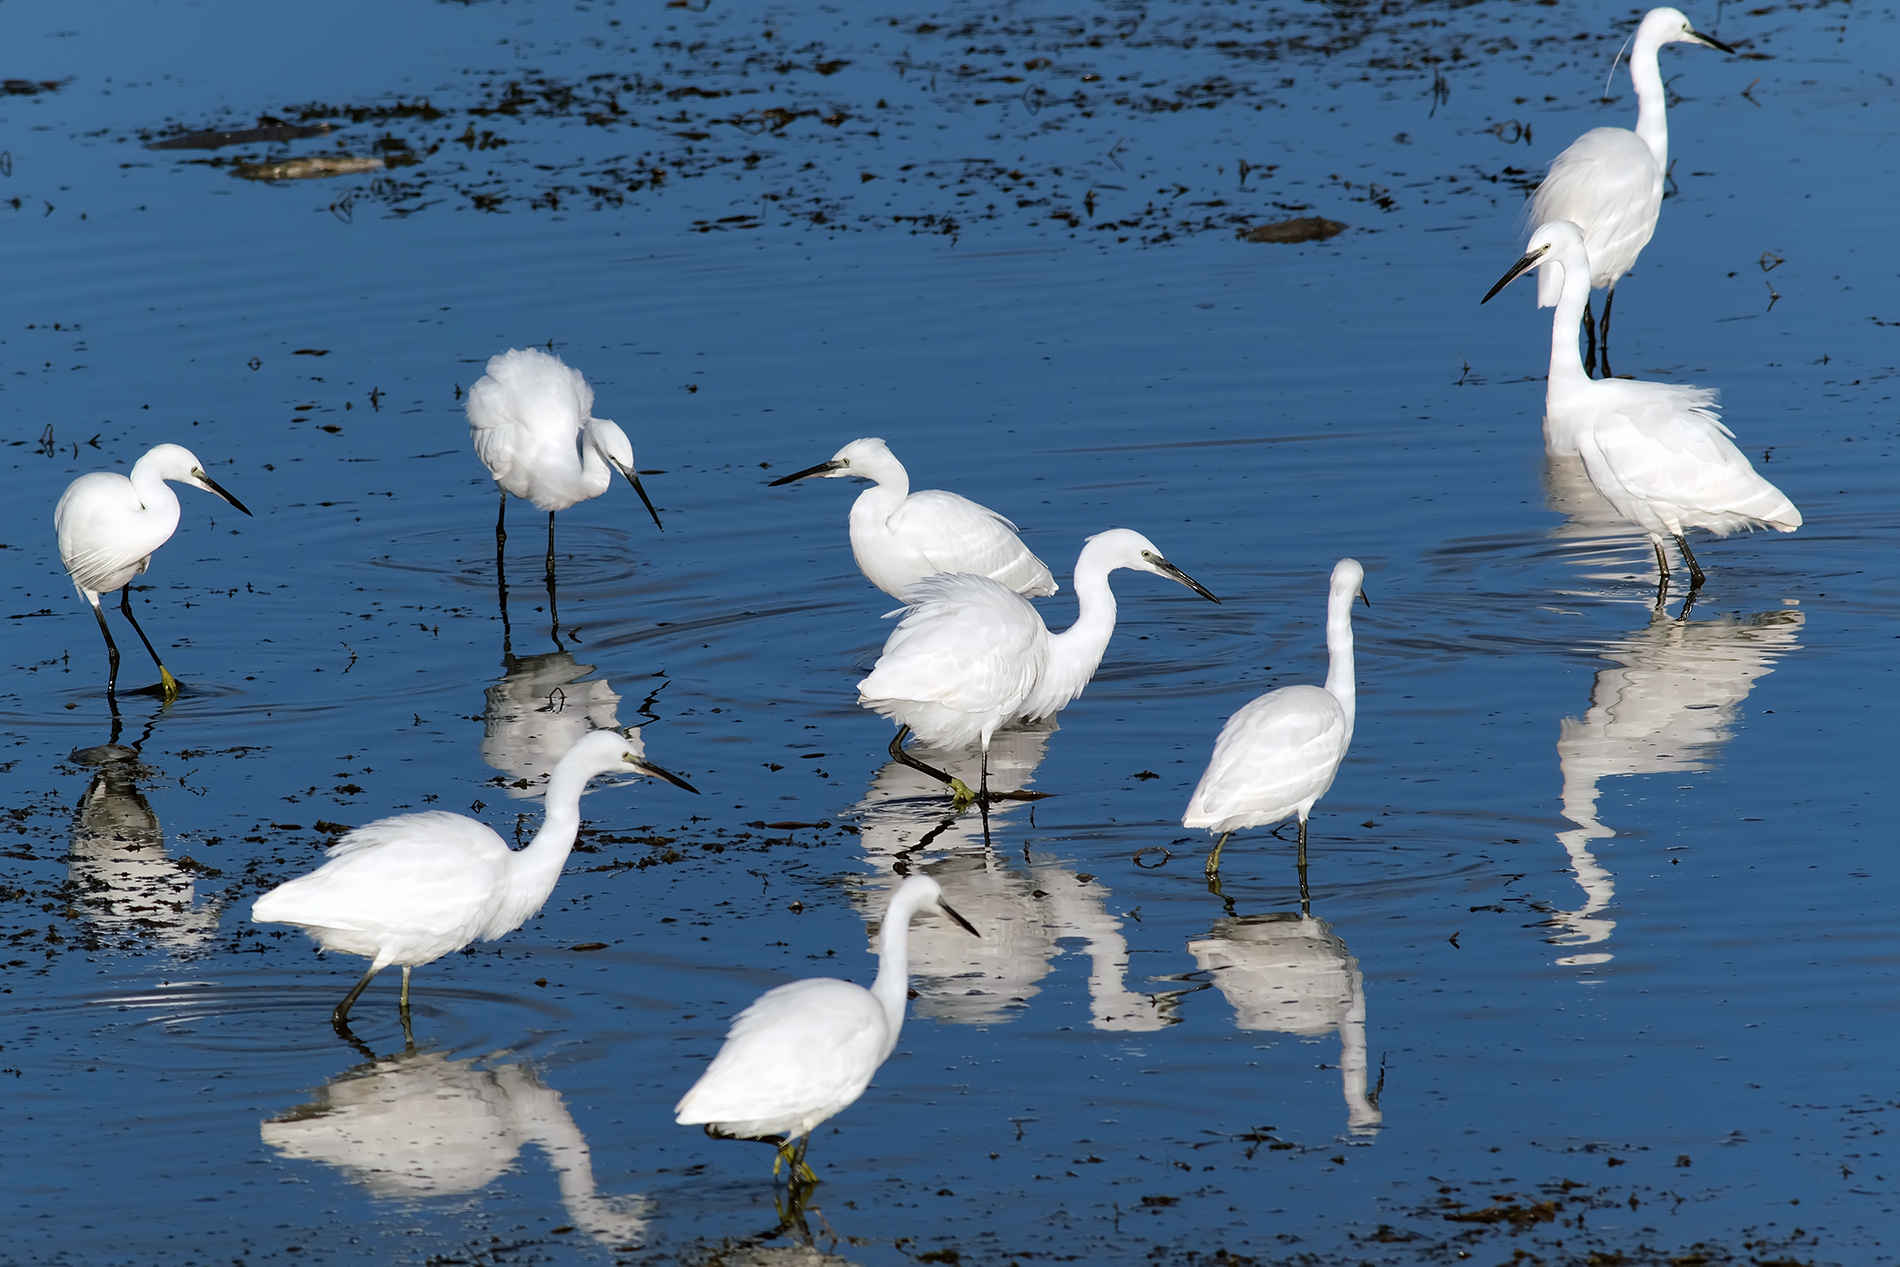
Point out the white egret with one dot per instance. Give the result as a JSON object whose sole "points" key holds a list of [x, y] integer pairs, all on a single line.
{"points": [[1610, 181], [408, 890], [109, 525], [1279, 753], [805, 1051], [899, 537], [1656, 451], [531, 420], [971, 655]]}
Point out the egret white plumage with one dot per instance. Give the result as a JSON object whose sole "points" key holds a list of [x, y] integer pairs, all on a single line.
{"points": [[899, 537], [108, 526], [1656, 451], [408, 890], [971, 655], [803, 1052], [1609, 182], [531, 420], [1277, 756]]}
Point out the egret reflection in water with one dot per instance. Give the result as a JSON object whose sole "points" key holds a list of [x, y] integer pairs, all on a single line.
{"points": [[1290, 973], [125, 880], [1666, 706], [422, 1125], [538, 710], [1025, 912]]}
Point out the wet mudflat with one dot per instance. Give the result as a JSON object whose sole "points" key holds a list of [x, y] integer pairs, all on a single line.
{"points": [[1600, 954]]}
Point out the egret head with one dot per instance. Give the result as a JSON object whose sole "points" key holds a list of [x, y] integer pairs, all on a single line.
{"points": [[1556, 244], [608, 440], [1126, 548], [867, 459], [176, 462], [1349, 579], [921, 893], [608, 751], [1669, 26]]}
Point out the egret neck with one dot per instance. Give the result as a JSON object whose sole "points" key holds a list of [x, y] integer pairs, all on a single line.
{"points": [[1652, 122], [892, 987], [1076, 652]]}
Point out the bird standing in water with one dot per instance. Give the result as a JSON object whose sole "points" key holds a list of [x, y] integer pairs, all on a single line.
{"points": [[408, 890], [531, 420], [109, 525], [805, 1051], [971, 655], [1656, 451], [1279, 753], [899, 537], [1609, 182]]}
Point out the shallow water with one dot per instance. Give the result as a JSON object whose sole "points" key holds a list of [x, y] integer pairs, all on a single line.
{"points": [[1600, 909]]}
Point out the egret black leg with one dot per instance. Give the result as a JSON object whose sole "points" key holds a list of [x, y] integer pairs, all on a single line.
{"points": [[1213, 859], [1695, 569], [958, 787], [983, 794], [167, 682], [1589, 340], [501, 522], [1662, 572], [1603, 342], [554, 610], [1306, 899], [340, 1018], [1213, 886], [112, 654], [802, 1173], [501, 594]]}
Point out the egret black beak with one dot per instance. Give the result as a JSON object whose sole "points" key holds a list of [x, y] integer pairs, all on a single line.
{"points": [[1523, 266], [1711, 41], [633, 478], [211, 486], [1364, 599], [965, 924], [823, 468], [1174, 573], [647, 767]]}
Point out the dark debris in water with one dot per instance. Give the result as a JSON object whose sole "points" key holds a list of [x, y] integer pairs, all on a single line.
{"points": [[842, 139], [1300, 229], [268, 129]]}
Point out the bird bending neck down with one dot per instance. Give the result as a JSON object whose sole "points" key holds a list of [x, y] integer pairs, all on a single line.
{"points": [[410, 889], [803, 1052], [1655, 451], [108, 527]]}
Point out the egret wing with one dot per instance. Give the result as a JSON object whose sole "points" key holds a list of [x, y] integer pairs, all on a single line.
{"points": [[1275, 755], [1608, 185], [796, 1056], [104, 540], [424, 872], [1665, 445], [967, 642], [955, 534], [529, 403]]}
